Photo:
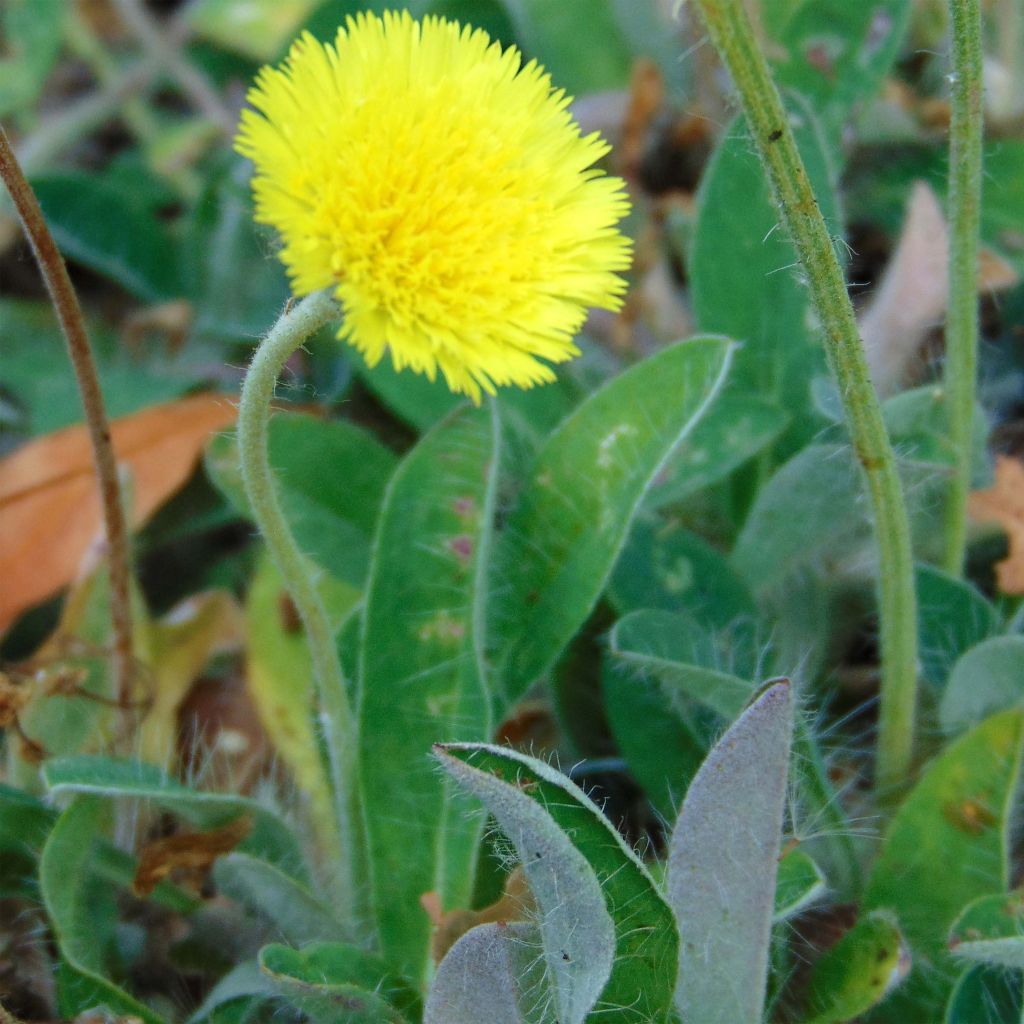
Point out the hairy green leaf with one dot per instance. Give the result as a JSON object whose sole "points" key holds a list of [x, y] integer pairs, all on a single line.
{"points": [[987, 995], [991, 929], [947, 845], [270, 839], [491, 972], [859, 971], [799, 883], [334, 982], [538, 808], [65, 882], [723, 859], [988, 678], [566, 529], [421, 676]]}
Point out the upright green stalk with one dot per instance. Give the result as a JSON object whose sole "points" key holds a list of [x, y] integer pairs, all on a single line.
{"points": [[730, 30], [293, 328], [965, 133]]}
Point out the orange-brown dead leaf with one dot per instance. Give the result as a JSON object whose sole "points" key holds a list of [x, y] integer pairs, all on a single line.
{"points": [[49, 513], [192, 854], [646, 95], [515, 904], [1003, 503]]}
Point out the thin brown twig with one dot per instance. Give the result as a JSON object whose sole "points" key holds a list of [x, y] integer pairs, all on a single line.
{"points": [[69, 314]]}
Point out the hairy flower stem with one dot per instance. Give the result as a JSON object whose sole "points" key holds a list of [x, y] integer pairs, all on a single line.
{"points": [[730, 30], [294, 327], [69, 314], [965, 133]]}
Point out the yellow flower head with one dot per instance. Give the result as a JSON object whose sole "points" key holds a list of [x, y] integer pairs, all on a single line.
{"points": [[445, 194]]}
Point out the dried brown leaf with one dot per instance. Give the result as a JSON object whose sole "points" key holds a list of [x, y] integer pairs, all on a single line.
{"points": [[49, 513], [1003, 503], [515, 904], [192, 854]]}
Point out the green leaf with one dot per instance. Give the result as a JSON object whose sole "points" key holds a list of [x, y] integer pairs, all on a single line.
{"points": [[799, 883], [32, 32], [734, 430], [421, 676], [693, 665], [331, 480], [243, 986], [918, 418], [952, 616], [665, 566], [415, 399], [293, 911], [334, 982], [24, 825], [859, 971], [577, 934], [1002, 207], [838, 53], [235, 283], [279, 676], [878, 190], [103, 227], [487, 974], [489, 15], [991, 929], [663, 750], [810, 507], [646, 945], [72, 722], [987, 679], [37, 374], [987, 995], [564, 533], [946, 846], [270, 839], [256, 30], [745, 280], [65, 876], [723, 858], [579, 42]]}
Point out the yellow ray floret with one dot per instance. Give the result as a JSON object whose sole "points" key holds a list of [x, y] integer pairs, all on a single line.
{"points": [[443, 191]]}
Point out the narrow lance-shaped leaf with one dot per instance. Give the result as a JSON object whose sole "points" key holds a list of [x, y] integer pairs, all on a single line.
{"points": [[991, 930], [987, 995], [65, 874], [798, 884], [577, 934], [676, 650], [859, 971], [488, 974], [756, 295], [722, 865], [646, 944], [953, 616], [421, 678], [295, 913], [947, 845], [837, 53], [570, 521], [988, 678], [270, 838], [335, 983]]}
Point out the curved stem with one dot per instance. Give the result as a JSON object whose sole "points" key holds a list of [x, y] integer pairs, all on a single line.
{"points": [[291, 330], [69, 313], [965, 135], [730, 30]]}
